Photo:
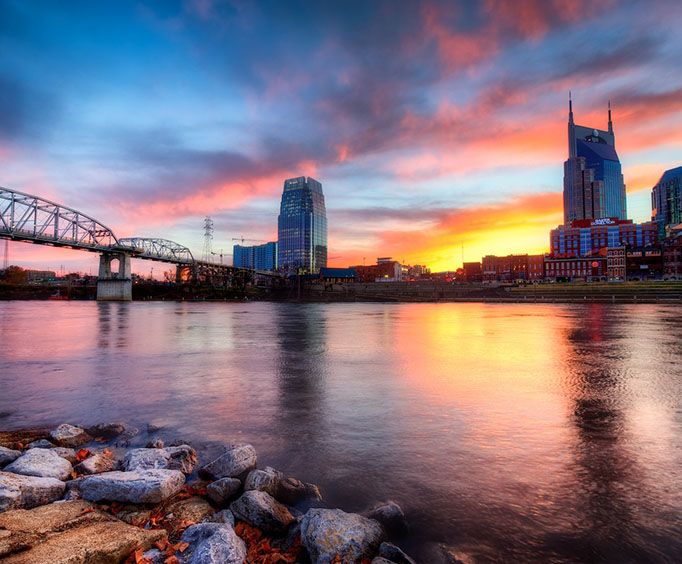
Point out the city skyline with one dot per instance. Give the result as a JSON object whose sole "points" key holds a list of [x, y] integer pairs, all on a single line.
{"points": [[433, 128]]}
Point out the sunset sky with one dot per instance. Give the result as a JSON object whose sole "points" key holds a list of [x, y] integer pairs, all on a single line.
{"points": [[436, 128]]}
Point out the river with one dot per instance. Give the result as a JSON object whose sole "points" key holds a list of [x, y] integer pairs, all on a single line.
{"points": [[505, 431]]}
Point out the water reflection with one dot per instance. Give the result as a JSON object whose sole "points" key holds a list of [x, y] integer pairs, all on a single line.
{"points": [[511, 432]]}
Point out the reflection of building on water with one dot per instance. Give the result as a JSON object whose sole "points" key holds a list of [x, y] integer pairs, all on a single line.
{"points": [[302, 368], [608, 488]]}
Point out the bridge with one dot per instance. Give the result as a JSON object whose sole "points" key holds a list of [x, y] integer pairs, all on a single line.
{"points": [[28, 218]]}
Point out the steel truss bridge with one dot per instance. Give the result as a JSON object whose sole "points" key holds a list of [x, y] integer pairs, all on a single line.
{"points": [[24, 217]]}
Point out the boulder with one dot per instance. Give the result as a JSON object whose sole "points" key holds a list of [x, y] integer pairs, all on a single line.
{"points": [[139, 486], [182, 458], [236, 462], [194, 509], [394, 554], [156, 443], [40, 443], [262, 511], [154, 556], [293, 491], [222, 490], [73, 532], [381, 560], [212, 543], [8, 455], [69, 436], [390, 515], [266, 480], [96, 464], [66, 453], [225, 516], [41, 462], [106, 430], [329, 534], [18, 491]]}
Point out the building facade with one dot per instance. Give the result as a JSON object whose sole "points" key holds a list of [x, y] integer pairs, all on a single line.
{"points": [[513, 267], [256, 257], [586, 238], [666, 201], [593, 180], [302, 226], [572, 269]]}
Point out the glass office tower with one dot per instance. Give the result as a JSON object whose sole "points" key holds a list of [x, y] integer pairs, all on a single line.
{"points": [[666, 200], [593, 180], [302, 227]]}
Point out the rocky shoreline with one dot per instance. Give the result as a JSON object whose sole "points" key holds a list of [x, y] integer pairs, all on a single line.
{"points": [[85, 495]]}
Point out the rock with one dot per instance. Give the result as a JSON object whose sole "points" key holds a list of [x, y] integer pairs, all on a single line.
{"points": [[222, 490], [225, 516], [381, 560], [262, 511], [394, 554], [106, 430], [152, 428], [154, 556], [156, 443], [266, 480], [292, 491], [181, 458], [40, 443], [73, 532], [41, 462], [96, 464], [8, 455], [123, 440], [212, 543], [66, 453], [331, 533], [134, 515], [139, 486], [195, 509], [390, 515], [235, 462], [24, 492], [69, 436]]}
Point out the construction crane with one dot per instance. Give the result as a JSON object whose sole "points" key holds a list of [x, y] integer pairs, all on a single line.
{"points": [[242, 239]]}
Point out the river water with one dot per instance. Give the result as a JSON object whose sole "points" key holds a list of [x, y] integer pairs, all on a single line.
{"points": [[507, 432]]}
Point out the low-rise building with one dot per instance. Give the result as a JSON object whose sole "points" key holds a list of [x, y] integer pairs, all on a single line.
{"points": [[513, 267], [615, 264], [572, 269]]}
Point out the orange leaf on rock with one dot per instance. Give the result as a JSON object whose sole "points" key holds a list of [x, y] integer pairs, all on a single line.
{"points": [[181, 546], [82, 454]]}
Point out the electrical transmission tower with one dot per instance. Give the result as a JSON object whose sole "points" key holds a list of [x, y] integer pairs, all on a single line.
{"points": [[208, 239]]}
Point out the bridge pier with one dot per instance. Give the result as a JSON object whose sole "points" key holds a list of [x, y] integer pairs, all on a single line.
{"points": [[116, 285]]}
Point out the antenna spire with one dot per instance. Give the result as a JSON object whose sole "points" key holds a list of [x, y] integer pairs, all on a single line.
{"points": [[610, 122], [570, 108]]}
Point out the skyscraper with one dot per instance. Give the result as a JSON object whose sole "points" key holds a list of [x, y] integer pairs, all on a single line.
{"points": [[302, 226], [666, 200], [258, 257], [593, 181]]}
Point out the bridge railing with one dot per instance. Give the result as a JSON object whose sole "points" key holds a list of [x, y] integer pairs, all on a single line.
{"points": [[29, 218]]}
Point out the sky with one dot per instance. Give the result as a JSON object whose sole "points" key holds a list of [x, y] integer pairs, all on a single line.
{"points": [[437, 128]]}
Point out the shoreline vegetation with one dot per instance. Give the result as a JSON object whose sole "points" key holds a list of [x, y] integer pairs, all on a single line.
{"points": [[110, 493], [430, 292]]}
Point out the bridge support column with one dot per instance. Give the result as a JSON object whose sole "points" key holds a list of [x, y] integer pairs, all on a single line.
{"points": [[116, 285]]}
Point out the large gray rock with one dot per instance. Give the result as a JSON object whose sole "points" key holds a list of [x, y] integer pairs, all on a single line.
{"points": [[331, 533], [96, 464], [265, 480], [394, 554], [222, 490], [40, 443], [41, 462], [24, 492], [262, 511], [69, 436], [106, 430], [381, 560], [292, 491], [181, 458], [140, 486], [212, 543], [236, 462], [225, 516], [390, 515], [8, 455]]}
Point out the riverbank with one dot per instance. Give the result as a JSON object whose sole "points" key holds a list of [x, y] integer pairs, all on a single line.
{"points": [[110, 493]]}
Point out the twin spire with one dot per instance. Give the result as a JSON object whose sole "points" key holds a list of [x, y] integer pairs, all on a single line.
{"points": [[570, 113]]}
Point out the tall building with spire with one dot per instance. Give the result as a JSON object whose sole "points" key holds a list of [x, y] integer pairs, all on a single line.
{"points": [[593, 180]]}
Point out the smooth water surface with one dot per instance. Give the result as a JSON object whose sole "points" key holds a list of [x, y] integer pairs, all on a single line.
{"points": [[508, 432]]}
